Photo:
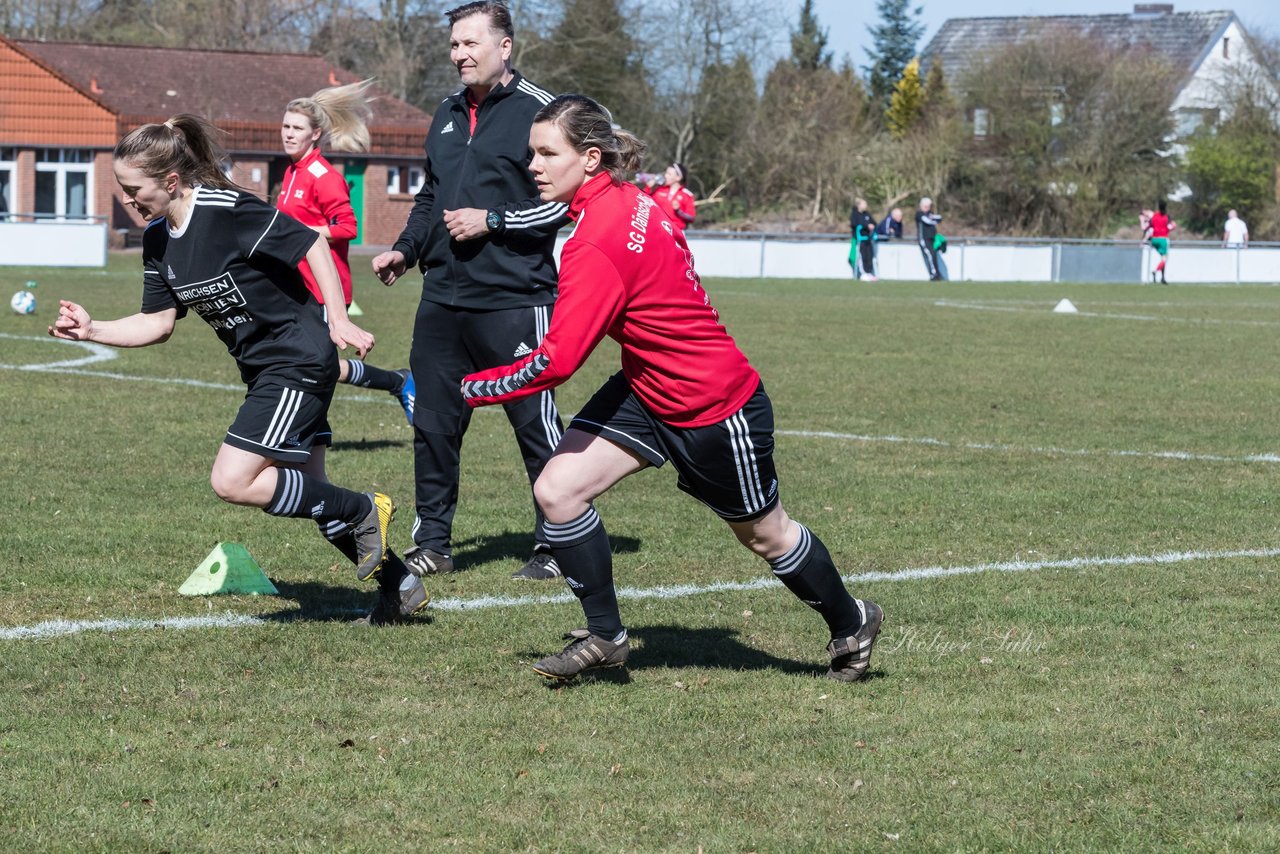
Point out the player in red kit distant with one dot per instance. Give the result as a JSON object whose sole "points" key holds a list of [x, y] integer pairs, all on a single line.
{"points": [[674, 197], [1157, 228], [685, 393], [315, 194]]}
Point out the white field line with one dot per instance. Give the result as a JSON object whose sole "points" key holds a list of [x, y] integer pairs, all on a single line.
{"points": [[59, 628], [1047, 310], [107, 353], [1035, 449]]}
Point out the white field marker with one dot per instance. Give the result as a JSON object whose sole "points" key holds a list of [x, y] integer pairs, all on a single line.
{"points": [[60, 628]]}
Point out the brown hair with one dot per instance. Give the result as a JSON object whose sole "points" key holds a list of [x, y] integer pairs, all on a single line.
{"points": [[498, 13], [586, 124], [341, 113], [184, 144]]}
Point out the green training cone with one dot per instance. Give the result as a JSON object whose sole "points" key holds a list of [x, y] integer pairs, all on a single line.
{"points": [[354, 310], [228, 569]]}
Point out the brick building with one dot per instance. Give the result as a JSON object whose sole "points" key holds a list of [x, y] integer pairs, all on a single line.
{"points": [[63, 106]]}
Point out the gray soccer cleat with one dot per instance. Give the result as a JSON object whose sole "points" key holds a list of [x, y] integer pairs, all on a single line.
{"points": [[851, 656], [584, 652], [371, 536]]}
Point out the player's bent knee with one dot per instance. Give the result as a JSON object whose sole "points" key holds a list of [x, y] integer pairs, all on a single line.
{"points": [[228, 487]]}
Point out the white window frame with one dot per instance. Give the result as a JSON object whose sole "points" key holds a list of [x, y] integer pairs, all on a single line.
{"points": [[393, 180], [981, 122], [9, 163], [68, 161], [417, 177]]}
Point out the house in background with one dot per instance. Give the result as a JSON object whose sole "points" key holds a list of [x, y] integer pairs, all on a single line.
{"points": [[1211, 47], [63, 106]]}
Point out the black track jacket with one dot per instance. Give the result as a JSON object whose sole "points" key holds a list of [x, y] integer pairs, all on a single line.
{"points": [[513, 266]]}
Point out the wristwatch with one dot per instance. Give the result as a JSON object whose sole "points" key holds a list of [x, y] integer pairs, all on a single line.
{"points": [[493, 221]]}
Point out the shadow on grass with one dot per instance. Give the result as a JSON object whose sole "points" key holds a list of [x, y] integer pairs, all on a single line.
{"points": [[515, 546], [682, 647], [324, 603], [679, 646], [368, 445]]}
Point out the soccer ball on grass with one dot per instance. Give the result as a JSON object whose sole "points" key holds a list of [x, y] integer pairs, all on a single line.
{"points": [[23, 302]]}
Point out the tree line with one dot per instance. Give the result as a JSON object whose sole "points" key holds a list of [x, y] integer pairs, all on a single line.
{"points": [[1055, 137]]}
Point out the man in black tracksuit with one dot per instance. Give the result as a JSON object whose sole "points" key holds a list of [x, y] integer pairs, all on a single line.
{"points": [[926, 230], [484, 242]]}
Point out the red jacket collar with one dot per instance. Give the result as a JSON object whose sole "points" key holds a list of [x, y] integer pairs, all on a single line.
{"points": [[588, 192], [308, 158]]}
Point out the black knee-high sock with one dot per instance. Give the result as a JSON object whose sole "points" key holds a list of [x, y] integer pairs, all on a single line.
{"points": [[808, 572], [340, 534], [299, 496], [581, 548], [367, 376]]}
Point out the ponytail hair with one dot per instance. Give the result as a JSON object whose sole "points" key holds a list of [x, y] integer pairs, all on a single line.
{"points": [[341, 113], [185, 144], [586, 124]]}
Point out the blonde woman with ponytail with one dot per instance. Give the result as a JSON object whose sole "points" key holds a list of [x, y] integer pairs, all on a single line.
{"points": [[315, 194], [216, 250], [685, 393]]}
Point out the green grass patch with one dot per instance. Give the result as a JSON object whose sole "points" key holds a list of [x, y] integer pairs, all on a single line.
{"points": [[1100, 708]]}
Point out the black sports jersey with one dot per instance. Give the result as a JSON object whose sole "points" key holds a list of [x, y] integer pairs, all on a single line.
{"points": [[235, 263]]}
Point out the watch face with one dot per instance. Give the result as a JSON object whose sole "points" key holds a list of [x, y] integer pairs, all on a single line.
{"points": [[492, 220]]}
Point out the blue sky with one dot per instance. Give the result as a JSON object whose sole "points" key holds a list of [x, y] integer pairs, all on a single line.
{"points": [[846, 20]]}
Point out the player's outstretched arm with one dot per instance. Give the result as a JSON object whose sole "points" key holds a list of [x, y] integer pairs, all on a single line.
{"points": [[137, 330]]}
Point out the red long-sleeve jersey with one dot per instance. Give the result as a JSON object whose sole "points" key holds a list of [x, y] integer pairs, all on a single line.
{"points": [[627, 273], [314, 193], [678, 204]]}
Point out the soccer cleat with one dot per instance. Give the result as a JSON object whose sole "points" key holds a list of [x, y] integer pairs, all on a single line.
{"points": [[584, 652], [423, 561], [371, 536], [851, 656], [541, 567], [407, 393], [397, 606]]}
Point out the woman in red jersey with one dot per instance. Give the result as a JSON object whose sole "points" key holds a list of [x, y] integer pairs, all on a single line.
{"points": [[673, 196], [685, 393], [315, 194]]}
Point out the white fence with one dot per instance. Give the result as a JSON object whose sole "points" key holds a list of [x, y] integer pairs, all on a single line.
{"points": [[52, 243], [983, 260]]}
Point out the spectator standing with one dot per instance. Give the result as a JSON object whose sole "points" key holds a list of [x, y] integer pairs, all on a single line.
{"points": [[675, 199], [484, 241], [926, 230], [1235, 233], [316, 194], [685, 393], [861, 253]]}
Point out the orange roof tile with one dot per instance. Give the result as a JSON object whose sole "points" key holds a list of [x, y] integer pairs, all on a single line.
{"points": [[243, 92]]}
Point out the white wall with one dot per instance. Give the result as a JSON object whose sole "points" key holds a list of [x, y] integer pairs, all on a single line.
{"points": [[750, 258], [53, 244]]}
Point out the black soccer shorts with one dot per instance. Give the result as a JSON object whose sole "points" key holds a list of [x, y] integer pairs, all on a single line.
{"points": [[280, 421], [727, 466]]}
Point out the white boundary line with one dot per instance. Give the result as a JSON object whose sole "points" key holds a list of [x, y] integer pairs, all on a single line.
{"points": [[1034, 449], [974, 306], [61, 628], [106, 353]]}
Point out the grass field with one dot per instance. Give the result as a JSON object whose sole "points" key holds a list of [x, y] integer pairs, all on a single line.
{"points": [[1070, 522]]}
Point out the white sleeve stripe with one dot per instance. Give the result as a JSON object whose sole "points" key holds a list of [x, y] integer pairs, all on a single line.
{"points": [[550, 216], [529, 89], [264, 233], [538, 212], [150, 272]]}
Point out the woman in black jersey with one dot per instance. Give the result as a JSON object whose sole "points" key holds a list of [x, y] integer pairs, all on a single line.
{"points": [[211, 248]]}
